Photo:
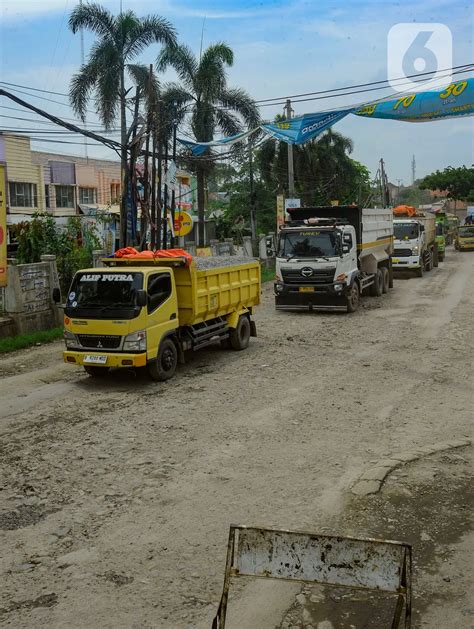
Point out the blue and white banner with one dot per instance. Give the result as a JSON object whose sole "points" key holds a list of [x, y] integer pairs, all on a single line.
{"points": [[304, 128], [457, 99]]}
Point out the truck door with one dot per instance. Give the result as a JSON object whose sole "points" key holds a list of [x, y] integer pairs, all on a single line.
{"points": [[162, 309]]}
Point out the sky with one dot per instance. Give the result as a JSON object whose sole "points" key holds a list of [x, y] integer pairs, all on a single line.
{"points": [[281, 48]]}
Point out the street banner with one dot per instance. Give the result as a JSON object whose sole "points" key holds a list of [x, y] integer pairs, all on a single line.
{"points": [[456, 99], [304, 128], [3, 228]]}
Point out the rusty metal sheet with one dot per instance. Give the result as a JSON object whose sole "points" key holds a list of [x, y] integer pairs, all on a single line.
{"points": [[331, 560]]}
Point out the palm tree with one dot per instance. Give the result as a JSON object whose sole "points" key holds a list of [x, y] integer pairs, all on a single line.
{"points": [[120, 40], [212, 104]]}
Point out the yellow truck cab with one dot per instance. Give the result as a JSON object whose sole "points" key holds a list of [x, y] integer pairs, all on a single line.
{"points": [[465, 238], [137, 313]]}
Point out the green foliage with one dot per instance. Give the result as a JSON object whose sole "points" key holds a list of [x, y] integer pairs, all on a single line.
{"points": [[324, 170], [13, 343], [268, 274], [413, 196], [457, 182], [72, 245]]}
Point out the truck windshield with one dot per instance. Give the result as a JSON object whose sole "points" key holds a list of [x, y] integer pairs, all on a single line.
{"points": [[439, 229], [405, 231], [466, 232], [309, 244], [100, 295]]}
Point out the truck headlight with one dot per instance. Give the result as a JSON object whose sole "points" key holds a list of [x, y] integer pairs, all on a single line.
{"points": [[278, 288], [135, 342], [70, 340], [338, 287], [415, 250]]}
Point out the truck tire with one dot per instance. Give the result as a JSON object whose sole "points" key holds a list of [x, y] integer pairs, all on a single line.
{"points": [[385, 279], [441, 255], [436, 256], [390, 274], [429, 263], [353, 299], [420, 270], [96, 372], [239, 337], [376, 288], [164, 366]]}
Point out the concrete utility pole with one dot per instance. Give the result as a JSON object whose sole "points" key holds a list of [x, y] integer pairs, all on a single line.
{"points": [[291, 171], [413, 171]]}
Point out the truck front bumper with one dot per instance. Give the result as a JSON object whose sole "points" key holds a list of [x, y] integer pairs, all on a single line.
{"points": [[408, 262], [465, 245], [309, 297], [112, 360]]}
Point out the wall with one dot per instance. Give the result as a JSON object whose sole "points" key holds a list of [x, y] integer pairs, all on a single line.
{"points": [[20, 168], [28, 296]]}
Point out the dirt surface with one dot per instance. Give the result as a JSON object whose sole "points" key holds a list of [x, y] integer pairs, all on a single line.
{"points": [[116, 496]]}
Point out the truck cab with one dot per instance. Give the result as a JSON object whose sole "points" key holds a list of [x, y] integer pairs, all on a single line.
{"points": [[314, 264], [465, 238], [409, 243]]}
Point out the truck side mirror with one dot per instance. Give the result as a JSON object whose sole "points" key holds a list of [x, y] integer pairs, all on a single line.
{"points": [[142, 299], [56, 295], [422, 228]]}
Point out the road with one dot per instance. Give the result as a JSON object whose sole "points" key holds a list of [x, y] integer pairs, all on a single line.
{"points": [[116, 496]]}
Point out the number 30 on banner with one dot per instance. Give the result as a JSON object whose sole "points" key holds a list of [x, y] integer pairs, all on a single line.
{"points": [[455, 89]]}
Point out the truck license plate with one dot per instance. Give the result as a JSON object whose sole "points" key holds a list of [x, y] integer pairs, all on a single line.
{"points": [[95, 360], [395, 260], [306, 289]]}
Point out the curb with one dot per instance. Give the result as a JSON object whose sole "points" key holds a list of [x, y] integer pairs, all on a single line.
{"points": [[372, 480]]}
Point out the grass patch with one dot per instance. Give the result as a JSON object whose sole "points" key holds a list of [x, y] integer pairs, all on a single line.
{"points": [[268, 274], [12, 343]]}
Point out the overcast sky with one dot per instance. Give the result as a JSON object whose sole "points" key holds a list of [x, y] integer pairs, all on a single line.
{"points": [[281, 48]]}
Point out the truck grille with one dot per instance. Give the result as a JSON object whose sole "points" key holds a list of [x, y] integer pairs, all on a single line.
{"points": [[402, 253], [318, 276], [99, 341]]}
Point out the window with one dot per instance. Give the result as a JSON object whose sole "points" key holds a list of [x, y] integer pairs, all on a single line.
{"points": [[159, 289], [23, 194], [64, 196], [114, 192], [86, 195], [46, 195]]}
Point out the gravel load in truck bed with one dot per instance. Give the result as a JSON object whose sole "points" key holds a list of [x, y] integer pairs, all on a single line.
{"points": [[214, 262]]}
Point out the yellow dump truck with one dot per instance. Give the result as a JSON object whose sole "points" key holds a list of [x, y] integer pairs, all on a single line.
{"points": [[148, 313]]}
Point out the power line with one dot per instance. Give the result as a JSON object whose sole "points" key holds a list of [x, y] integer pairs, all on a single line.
{"points": [[45, 121], [339, 89]]}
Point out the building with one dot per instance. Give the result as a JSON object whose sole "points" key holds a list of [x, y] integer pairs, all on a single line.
{"points": [[54, 183]]}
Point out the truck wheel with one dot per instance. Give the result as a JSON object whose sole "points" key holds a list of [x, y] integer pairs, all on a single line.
{"points": [[429, 264], [419, 271], [239, 337], [353, 299], [441, 255], [96, 372], [385, 279], [376, 288], [164, 366]]}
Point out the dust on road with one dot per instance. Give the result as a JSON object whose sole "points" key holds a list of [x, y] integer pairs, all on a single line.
{"points": [[116, 496]]}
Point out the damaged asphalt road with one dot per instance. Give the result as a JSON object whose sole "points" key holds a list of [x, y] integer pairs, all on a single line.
{"points": [[116, 496]]}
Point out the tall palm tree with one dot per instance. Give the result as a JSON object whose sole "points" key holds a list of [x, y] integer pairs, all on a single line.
{"points": [[213, 105], [120, 39]]}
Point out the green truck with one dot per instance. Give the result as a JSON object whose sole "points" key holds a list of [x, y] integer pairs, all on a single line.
{"points": [[442, 232]]}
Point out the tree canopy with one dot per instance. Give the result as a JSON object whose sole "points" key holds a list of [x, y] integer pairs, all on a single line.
{"points": [[457, 182]]}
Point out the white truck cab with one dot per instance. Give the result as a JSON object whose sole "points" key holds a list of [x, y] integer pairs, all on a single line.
{"points": [[326, 256]]}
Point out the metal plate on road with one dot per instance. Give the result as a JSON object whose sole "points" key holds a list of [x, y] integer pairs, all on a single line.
{"points": [[95, 360], [306, 289]]}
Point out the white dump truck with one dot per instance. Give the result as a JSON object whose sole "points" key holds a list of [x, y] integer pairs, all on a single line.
{"points": [[328, 256], [415, 245]]}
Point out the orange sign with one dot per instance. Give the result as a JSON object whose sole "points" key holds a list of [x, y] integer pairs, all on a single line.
{"points": [[183, 223], [3, 228]]}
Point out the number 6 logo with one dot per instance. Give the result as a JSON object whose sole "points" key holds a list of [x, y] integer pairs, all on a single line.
{"points": [[416, 48]]}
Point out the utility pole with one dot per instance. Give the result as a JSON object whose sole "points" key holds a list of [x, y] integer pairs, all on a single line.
{"points": [[413, 171], [399, 181], [253, 214], [173, 191], [291, 172]]}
